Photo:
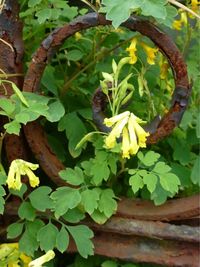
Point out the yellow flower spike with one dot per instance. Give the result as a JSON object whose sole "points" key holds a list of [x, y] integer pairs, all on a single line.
{"points": [[41, 260], [125, 144], [132, 51], [151, 53], [20, 167]]}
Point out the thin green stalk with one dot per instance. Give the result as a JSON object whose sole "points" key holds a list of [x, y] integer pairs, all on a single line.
{"points": [[98, 57]]}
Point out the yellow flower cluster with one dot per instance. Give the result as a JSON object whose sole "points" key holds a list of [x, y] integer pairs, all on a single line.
{"points": [[20, 167], [10, 256], [127, 126], [150, 52], [195, 5]]}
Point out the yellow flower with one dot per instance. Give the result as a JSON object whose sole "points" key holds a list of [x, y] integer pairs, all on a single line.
{"points": [[78, 36], [195, 5], [116, 132], [125, 143], [41, 260], [151, 53], [25, 259], [132, 49], [164, 67], [132, 134], [20, 167], [178, 24]]}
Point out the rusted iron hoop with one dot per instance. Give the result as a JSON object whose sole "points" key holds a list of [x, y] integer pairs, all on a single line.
{"points": [[40, 147]]}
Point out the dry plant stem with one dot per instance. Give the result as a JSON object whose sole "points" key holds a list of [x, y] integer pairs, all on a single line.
{"points": [[176, 3], [2, 3], [3, 41]]}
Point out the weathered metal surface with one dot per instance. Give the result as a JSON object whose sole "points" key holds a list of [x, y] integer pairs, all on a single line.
{"points": [[175, 209], [148, 229], [11, 64], [146, 250]]}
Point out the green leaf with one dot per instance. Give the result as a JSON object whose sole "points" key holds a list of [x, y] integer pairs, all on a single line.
{"points": [[99, 217], [41, 193], [161, 167], [109, 263], [26, 211], [56, 111], [136, 182], [170, 182], [107, 203], [182, 152], [149, 159], [195, 175], [150, 180], [198, 126], [119, 11], [12, 127], [62, 240], [171, 14], [75, 131], [32, 3], [7, 105], [20, 192], [74, 177], [74, 55], [28, 242], [154, 8], [73, 215], [43, 15], [82, 235], [47, 237], [65, 198], [14, 230], [19, 94], [89, 200], [159, 196]]}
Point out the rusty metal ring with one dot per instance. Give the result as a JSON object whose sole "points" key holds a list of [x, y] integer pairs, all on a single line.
{"points": [[33, 131]]}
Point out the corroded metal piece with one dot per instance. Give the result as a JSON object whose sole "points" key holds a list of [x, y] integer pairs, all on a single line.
{"points": [[11, 53]]}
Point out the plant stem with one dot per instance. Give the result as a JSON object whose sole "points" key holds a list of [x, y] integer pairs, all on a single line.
{"points": [[98, 57]]}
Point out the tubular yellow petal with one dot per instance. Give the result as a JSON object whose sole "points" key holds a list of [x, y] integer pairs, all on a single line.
{"points": [[132, 51], [151, 53], [125, 144], [33, 179], [133, 139], [41, 260], [177, 25], [141, 135], [110, 121]]}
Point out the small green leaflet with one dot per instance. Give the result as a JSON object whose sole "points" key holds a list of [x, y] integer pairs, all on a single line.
{"points": [[62, 240], [14, 230], [195, 175], [136, 182], [73, 177], [82, 235], [26, 211], [107, 203], [35, 197], [65, 198], [151, 181], [161, 167], [47, 237], [89, 200], [170, 182]]}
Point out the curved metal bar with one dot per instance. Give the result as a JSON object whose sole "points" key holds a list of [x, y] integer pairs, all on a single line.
{"points": [[54, 41]]}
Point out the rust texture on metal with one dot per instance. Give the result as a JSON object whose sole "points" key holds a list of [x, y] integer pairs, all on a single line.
{"points": [[146, 250], [11, 53], [141, 241], [54, 41]]}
